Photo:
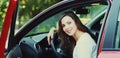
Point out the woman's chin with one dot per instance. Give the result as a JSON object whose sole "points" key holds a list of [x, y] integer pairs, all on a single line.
{"points": [[70, 34]]}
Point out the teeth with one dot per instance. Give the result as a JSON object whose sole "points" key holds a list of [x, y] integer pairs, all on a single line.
{"points": [[68, 31]]}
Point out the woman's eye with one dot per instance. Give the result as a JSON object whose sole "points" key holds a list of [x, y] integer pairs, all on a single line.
{"points": [[69, 22], [63, 25]]}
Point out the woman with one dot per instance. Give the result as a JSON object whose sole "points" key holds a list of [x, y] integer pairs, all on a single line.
{"points": [[70, 26]]}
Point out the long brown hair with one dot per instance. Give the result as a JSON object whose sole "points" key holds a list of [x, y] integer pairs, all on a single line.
{"points": [[78, 23]]}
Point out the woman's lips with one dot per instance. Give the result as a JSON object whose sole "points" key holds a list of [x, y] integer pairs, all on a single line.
{"points": [[69, 31]]}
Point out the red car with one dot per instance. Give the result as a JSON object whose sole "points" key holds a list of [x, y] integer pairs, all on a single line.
{"points": [[102, 17]]}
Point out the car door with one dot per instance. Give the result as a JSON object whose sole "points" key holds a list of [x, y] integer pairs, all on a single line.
{"points": [[110, 40]]}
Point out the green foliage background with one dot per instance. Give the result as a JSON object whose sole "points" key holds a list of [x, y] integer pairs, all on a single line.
{"points": [[27, 9], [3, 9]]}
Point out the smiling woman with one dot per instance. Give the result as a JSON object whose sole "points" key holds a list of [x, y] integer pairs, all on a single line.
{"points": [[71, 27]]}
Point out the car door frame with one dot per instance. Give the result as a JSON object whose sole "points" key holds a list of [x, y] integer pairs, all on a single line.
{"points": [[108, 33]]}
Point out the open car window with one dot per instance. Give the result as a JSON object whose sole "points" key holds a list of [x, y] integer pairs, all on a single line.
{"points": [[30, 8], [87, 14]]}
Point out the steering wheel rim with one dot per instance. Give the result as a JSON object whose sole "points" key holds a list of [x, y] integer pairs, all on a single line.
{"points": [[53, 45]]}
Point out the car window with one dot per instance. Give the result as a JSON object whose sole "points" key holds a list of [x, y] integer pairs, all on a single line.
{"points": [[92, 11], [27, 9], [117, 41]]}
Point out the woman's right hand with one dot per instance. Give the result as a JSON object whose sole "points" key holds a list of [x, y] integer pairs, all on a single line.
{"points": [[51, 34]]}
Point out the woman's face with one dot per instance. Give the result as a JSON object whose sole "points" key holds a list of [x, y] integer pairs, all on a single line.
{"points": [[69, 26]]}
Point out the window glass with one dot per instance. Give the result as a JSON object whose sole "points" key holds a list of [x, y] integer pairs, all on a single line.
{"points": [[92, 11], [27, 9], [117, 41], [46, 25]]}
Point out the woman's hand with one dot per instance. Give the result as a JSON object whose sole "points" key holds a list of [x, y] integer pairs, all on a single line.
{"points": [[51, 34]]}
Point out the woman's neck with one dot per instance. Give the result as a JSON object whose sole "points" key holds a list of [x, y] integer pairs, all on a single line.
{"points": [[77, 35]]}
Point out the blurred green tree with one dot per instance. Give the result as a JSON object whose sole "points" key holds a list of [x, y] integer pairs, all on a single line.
{"points": [[30, 8], [26, 9], [3, 9]]}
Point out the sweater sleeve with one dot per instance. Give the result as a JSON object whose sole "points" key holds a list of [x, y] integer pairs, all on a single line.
{"points": [[85, 47]]}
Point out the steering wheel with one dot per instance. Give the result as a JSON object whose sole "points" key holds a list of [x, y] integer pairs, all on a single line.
{"points": [[55, 44]]}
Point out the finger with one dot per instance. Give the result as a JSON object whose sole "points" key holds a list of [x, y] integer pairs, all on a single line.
{"points": [[51, 36], [48, 39], [52, 33]]}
